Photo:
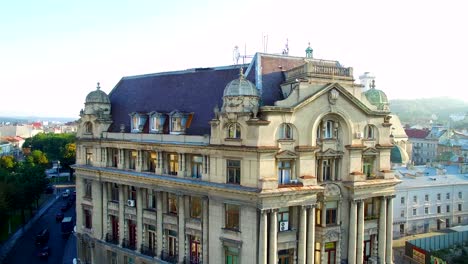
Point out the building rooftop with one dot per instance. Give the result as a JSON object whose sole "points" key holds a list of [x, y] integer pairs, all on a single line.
{"points": [[422, 176]]}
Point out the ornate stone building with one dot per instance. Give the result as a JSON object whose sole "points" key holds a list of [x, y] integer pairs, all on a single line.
{"points": [[287, 161]]}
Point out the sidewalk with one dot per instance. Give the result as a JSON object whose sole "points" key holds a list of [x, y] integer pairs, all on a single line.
{"points": [[10, 243], [70, 250]]}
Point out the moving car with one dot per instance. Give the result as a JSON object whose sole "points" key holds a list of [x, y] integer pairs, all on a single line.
{"points": [[65, 194], [42, 237], [44, 252], [67, 226]]}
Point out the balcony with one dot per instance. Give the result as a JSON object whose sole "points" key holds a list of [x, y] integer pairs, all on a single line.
{"points": [[192, 260], [112, 205], [129, 244], [110, 238], [168, 257], [159, 138], [149, 213], [148, 251]]}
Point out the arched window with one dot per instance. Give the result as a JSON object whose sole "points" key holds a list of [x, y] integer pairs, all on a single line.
{"points": [[286, 131], [234, 131], [88, 128], [369, 132]]}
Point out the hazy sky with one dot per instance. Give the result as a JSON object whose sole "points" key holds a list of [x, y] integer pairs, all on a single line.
{"points": [[52, 53]]}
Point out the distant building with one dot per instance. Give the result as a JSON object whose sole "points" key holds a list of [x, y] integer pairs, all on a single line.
{"points": [[24, 131], [288, 162], [429, 199]]}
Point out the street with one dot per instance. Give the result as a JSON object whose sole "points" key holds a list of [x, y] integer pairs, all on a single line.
{"points": [[25, 250]]}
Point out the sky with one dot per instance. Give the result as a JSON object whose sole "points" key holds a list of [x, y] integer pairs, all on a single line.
{"points": [[53, 52]]}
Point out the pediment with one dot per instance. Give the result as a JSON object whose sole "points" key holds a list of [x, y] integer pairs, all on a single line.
{"points": [[335, 92], [370, 152], [286, 154], [330, 153]]}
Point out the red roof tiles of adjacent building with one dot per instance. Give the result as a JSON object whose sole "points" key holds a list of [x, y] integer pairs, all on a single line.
{"points": [[417, 133]]}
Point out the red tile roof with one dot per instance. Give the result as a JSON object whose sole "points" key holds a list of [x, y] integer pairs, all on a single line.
{"points": [[417, 133]]}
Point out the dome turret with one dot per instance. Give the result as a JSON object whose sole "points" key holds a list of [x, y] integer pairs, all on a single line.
{"points": [[240, 87], [97, 96], [377, 97]]}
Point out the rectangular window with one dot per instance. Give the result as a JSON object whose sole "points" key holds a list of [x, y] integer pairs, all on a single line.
{"points": [[448, 196], [438, 197], [439, 210], [459, 219], [150, 199], [129, 260], [402, 200], [331, 216], [195, 207], [171, 243], [88, 218], [426, 210], [414, 211], [415, 199], [284, 172], [115, 192], [173, 163], [131, 194], [171, 203], [459, 207], [88, 188], [197, 164], [326, 170], [233, 171], [460, 195], [402, 213], [328, 131], [426, 197], [448, 208], [283, 219], [232, 255], [132, 160], [232, 216]]}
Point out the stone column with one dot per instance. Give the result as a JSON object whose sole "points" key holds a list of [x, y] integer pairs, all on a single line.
{"points": [[388, 251], [205, 227], [263, 238], [181, 230], [159, 217], [352, 233], [79, 208], [139, 218], [159, 163], [121, 213], [273, 245], [360, 234], [382, 230], [121, 160], [181, 171], [323, 215], [311, 235], [301, 251], [139, 161], [105, 216]]}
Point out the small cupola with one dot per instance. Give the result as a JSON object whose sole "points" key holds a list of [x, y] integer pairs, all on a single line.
{"points": [[240, 96], [377, 97]]}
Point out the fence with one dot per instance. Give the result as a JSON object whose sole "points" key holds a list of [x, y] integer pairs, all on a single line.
{"points": [[441, 242]]}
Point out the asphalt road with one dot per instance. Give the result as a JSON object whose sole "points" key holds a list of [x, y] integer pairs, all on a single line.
{"points": [[25, 250]]}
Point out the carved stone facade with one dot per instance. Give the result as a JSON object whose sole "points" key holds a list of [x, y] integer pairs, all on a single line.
{"points": [[277, 179]]}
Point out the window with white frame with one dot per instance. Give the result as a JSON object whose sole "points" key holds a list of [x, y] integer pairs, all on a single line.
{"points": [[197, 165], [402, 200], [438, 197], [448, 208], [284, 172], [448, 196], [233, 171], [234, 131], [460, 195], [439, 209], [157, 121], [283, 219], [179, 122], [415, 199], [327, 129], [138, 122], [286, 131], [426, 197], [459, 207], [426, 210], [414, 211], [232, 213], [402, 213]]}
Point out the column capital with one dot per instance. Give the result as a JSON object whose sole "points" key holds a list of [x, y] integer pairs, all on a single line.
{"points": [[390, 196]]}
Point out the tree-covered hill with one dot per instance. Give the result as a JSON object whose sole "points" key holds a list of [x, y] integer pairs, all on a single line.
{"points": [[421, 111]]}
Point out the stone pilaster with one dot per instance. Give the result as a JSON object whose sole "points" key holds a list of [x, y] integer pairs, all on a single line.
{"points": [[97, 209], [352, 233], [139, 219], [205, 227], [273, 245], [181, 230], [301, 251], [159, 217], [360, 234], [311, 235], [263, 238], [105, 216], [121, 213], [382, 230], [388, 245]]}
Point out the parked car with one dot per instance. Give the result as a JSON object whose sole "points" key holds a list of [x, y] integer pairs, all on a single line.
{"points": [[59, 217], [44, 252], [42, 237], [49, 189]]}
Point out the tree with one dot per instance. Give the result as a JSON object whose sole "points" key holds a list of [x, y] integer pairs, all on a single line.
{"points": [[7, 162]]}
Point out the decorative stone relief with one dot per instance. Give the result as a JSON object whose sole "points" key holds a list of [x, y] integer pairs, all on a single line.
{"points": [[333, 95]]}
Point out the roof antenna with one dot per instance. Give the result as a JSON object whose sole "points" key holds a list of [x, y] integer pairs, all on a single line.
{"points": [[98, 87]]}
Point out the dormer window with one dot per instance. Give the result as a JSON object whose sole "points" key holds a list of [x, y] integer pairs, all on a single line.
{"points": [[234, 131], [157, 121], [138, 122], [179, 122]]}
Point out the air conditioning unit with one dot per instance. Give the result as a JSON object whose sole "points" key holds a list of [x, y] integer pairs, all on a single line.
{"points": [[294, 181], [131, 203], [358, 135], [283, 225]]}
